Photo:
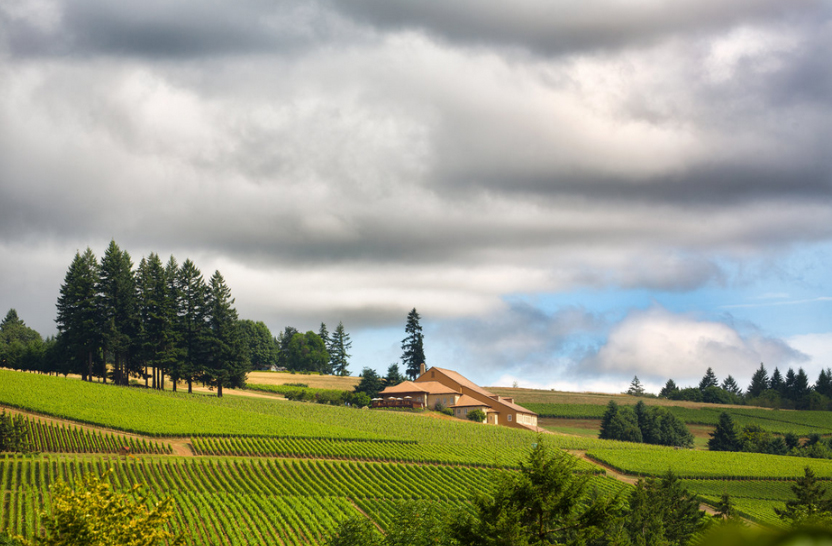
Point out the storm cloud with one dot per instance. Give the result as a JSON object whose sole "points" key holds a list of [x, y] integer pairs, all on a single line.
{"points": [[356, 159]]}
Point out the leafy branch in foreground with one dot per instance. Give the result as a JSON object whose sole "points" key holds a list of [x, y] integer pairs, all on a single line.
{"points": [[94, 515]]}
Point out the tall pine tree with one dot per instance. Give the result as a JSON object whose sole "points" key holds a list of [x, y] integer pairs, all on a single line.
{"points": [[413, 353], [759, 382], [117, 311], [339, 345], [227, 360], [79, 331], [193, 328]]}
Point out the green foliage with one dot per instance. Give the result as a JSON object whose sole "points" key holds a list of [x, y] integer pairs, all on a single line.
{"points": [[812, 504], [262, 347], [371, 384], [651, 425], [393, 376], [94, 515], [13, 435], [339, 346], [724, 437], [662, 511], [413, 353], [759, 382], [307, 353], [228, 362], [636, 388], [708, 380], [619, 424], [355, 531], [669, 389], [546, 502], [477, 415]]}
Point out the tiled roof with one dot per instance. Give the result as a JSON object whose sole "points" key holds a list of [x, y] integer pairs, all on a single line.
{"points": [[428, 387], [466, 401], [476, 388]]}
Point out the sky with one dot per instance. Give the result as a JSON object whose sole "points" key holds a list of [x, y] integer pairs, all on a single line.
{"points": [[570, 193]]}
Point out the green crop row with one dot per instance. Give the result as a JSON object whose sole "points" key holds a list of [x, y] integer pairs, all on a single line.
{"points": [[51, 438], [709, 464], [153, 412], [238, 501]]}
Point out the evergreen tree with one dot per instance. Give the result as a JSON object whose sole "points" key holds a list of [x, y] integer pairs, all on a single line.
{"points": [[669, 389], [730, 385], [801, 384], [670, 430], [663, 512], [812, 504], [323, 333], [393, 376], [636, 388], [759, 382], [338, 356], [173, 351], [371, 384], [413, 354], [79, 331], [228, 361], [724, 437], [708, 380], [192, 326], [156, 310], [789, 385], [21, 347], [117, 311], [824, 383], [776, 383], [619, 424]]}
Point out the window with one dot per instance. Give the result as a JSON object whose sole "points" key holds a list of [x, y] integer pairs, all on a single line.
{"points": [[509, 418]]}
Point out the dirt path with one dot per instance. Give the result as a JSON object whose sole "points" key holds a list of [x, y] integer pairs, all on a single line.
{"points": [[366, 515]]}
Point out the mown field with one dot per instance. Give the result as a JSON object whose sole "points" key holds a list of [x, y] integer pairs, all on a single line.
{"points": [[267, 471]]}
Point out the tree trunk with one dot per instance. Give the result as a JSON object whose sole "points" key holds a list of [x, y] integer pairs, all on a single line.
{"points": [[219, 390], [190, 386]]}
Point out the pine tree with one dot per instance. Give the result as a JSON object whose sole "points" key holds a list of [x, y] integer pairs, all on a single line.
{"points": [[663, 512], [669, 389], [393, 376], [789, 385], [117, 310], [156, 317], [730, 385], [824, 383], [227, 360], [708, 380], [323, 333], [636, 388], [192, 312], [724, 437], [413, 354], [801, 384], [172, 354], [776, 383], [759, 382], [339, 345], [811, 505], [78, 323]]}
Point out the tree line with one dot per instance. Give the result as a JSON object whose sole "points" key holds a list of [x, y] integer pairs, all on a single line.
{"points": [[156, 321], [792, 391]]}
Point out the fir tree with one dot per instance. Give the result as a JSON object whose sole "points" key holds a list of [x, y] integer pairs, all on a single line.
{"points": [[636, 388], [776, 383], [78, 325], [393, 376], [801, 384], [759, 382], [730, 385], [724, 437], [338, 355], [227, 364], [824, 383], [192, 323], [669, 389], [789, 385], [708, 380], [413, 354], [811, 505], [117, 311]]}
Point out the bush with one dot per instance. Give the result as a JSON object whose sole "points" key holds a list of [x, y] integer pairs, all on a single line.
{"points": [[476, 415]]}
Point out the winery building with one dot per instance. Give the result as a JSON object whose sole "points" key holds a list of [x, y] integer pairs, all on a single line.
{"points": [[452, 390]]}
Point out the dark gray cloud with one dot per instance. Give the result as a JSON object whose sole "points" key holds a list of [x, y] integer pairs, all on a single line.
{"points": [[556, 28], [353, 160]]}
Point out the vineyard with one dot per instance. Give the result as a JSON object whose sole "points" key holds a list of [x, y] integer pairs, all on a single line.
{"points": [[267, 471]]}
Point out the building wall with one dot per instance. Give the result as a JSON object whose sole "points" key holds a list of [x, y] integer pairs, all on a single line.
{"points": [[445, 399], [509, 415]]}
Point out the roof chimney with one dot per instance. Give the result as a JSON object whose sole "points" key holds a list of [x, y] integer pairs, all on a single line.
{"points": [[422, 368]]}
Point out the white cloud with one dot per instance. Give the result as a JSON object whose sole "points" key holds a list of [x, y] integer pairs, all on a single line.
{"points": [[658, 345]]}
